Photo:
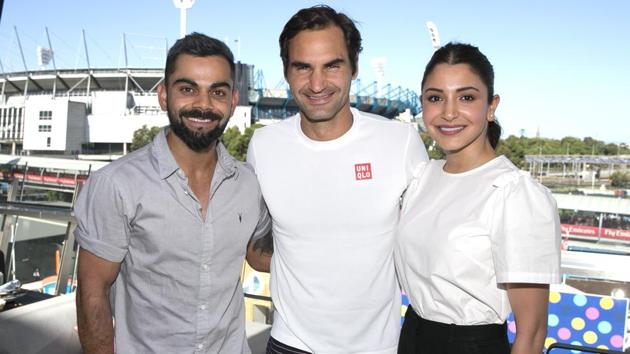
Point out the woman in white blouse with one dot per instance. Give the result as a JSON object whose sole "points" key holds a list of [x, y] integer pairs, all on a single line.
{"points": [[478, 238]]}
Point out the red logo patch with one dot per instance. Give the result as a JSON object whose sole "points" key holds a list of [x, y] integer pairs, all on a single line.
{"points": [[363, 171]]}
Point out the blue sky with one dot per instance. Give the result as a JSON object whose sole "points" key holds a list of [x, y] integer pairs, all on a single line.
{"points": [[562, 66]]}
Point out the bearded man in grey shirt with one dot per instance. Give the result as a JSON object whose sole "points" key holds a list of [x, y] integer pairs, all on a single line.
{"points": [[164, 230]]}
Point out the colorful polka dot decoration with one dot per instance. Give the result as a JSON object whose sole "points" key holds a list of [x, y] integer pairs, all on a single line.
{"points": [[586, 320], [403, 308]]}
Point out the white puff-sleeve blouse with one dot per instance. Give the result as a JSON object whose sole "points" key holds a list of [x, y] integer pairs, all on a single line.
{"points": [[462, 236]]}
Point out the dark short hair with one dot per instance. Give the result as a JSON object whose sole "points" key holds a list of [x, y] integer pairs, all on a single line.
{"points": [[199, 45], [317, 18], [461, 53]]}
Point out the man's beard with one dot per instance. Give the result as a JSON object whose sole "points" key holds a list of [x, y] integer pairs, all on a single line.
{"points": [[196, 141]]}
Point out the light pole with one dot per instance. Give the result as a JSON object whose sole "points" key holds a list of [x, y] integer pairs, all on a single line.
{"points": [[183, 5]]}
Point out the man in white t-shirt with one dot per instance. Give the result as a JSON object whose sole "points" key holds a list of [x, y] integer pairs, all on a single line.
{"points": [[332, 178]]}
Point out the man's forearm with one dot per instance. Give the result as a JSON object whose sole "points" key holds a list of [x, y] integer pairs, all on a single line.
{"points": [[94, 319]]}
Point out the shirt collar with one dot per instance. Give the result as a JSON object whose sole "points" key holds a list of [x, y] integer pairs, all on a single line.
{"points": [[165, 164], [225, 161]]}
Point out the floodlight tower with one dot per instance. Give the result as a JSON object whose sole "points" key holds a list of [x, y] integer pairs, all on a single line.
{"points": [[183, 5]]}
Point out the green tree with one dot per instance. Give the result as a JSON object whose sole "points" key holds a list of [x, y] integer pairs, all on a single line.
{"points": [[237, 143], [610, 149], [230, 139], [570, 145], [514, 149], [620, 179], [143, 136]]}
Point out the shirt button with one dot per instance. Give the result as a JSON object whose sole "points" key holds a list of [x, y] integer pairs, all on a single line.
{"points": [[200, 346], [203, 307], [205, 266]]}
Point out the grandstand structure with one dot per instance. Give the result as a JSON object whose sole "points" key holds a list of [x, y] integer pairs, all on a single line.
{"points": [[575, 165], [374, 97], [95, 111], [88, 111]]}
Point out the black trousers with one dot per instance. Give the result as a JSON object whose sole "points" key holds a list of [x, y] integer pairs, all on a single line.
{"points": [[275, 347], [420, 336]]}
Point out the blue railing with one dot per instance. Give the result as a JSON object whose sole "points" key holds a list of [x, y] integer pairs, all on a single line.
{"points": [[386, 100]]}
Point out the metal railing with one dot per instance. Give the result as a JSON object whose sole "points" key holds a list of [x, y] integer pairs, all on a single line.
{"points": [[580, 348]]}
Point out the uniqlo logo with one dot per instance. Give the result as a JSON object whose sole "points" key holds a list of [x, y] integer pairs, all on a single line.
{"points": [[363, 171]]}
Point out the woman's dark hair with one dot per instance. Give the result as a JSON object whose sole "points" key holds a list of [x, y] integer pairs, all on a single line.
{"points": [[460, 53], [317, 18]]}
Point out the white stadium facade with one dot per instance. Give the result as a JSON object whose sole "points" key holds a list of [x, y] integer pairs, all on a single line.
{"points": [[89, 111]]}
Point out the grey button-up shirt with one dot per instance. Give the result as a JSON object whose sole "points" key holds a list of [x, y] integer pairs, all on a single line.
{"points": [[178, 290]]}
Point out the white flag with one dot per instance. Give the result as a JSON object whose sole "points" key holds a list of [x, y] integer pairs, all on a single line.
{"points": [[435, 36]]}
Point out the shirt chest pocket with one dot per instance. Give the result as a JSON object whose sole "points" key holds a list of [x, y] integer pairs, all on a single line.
{"points": [[164, 231]]}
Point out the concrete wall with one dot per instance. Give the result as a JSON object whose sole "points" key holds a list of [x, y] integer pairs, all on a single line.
{"points": [[119, 128], [109, 102], [110, 121], [34, 139], [242, 118]]}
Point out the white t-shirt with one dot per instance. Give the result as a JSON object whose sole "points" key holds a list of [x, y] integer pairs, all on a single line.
{"points": [[462, 235], [335, 207]]}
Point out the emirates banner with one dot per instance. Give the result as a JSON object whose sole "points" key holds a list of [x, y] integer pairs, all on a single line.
{"points": [[592, 231]]}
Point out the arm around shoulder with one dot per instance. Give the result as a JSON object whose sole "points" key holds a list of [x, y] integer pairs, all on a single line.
{"points": [[94, 314], [259, 253], [260, 246]]}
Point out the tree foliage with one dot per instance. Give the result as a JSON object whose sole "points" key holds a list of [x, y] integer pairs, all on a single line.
{"points": [[143, 136], [620, 179], [236, 143], [515, 148]]}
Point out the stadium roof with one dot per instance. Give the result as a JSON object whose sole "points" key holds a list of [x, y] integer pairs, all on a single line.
{"points": [[144, 80]]}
